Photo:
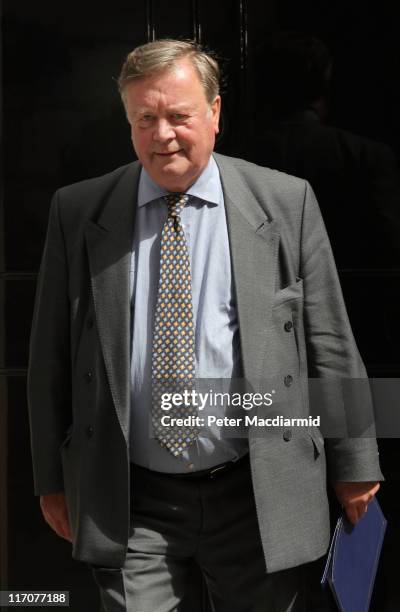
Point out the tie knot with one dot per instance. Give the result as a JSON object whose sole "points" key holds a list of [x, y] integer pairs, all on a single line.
{"points": [[176, 202]]}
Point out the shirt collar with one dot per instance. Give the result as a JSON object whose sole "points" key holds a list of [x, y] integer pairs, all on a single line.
{"points": [[207, 187]]}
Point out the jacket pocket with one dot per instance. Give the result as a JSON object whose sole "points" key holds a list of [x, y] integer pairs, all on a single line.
{"points": [[291, 292], [318, 441]]}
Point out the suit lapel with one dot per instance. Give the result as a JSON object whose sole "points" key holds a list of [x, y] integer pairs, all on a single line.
{"points": [[109, 246], [254, 240]]}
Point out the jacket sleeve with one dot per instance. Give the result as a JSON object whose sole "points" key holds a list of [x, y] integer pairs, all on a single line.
{"points": [[49, 371], [335, 369]]}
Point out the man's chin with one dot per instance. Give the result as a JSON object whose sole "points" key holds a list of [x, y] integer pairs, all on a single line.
{"points": [[173, 177]]}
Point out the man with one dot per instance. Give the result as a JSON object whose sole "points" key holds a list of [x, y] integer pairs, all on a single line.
{"points": [[188, 264]]}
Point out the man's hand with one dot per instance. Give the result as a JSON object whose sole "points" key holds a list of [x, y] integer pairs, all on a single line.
{"points": [[54, 508], [355, 497]]}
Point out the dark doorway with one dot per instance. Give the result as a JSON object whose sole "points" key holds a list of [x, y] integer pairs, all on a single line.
{"points": [[63, 122]]}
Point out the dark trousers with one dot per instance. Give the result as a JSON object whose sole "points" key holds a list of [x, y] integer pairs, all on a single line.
{"points": [[213, 522]]}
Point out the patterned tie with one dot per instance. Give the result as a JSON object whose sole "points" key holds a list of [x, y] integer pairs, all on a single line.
{"points": [[173, 359]]}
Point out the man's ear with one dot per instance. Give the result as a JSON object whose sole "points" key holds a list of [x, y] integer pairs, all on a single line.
{"points": [[216, 111]]}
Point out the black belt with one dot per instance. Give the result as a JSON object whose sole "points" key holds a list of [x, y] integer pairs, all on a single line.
{"points": [[209, 473]]}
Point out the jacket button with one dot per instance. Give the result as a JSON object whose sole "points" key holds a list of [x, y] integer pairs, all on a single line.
{"points": [[89, 376], [288, 326], [90, 323], [287, 435], [288, 380], [89, 431]]}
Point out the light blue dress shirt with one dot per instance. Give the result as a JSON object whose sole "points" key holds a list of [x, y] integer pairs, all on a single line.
{"points": [[217, 346]]}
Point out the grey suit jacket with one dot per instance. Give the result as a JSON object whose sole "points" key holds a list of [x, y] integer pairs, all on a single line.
{"points": [[79, 372]]}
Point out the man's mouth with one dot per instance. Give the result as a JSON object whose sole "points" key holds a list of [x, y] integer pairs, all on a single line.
{"points": [[167, 153]]}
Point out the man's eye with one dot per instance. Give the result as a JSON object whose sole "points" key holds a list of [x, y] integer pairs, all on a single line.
{"points": [[178, 117], [145, 119]]}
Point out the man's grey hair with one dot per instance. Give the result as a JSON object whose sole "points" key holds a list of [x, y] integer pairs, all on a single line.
{"points": [[160, 55]]}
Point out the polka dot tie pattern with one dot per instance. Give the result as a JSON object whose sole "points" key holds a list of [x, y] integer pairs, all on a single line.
{"points": [[173, 357]]}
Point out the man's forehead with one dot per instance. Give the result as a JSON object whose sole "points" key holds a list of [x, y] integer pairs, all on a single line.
{"points": [[151, 100], [172, 106]]}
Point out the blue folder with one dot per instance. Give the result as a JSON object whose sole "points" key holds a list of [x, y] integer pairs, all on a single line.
{"points": [[353, 559]]}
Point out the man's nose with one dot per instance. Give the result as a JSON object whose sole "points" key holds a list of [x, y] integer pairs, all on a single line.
{"points": [[163, 130]]}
